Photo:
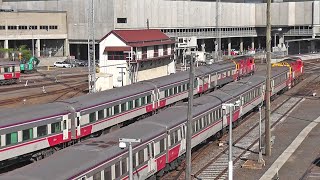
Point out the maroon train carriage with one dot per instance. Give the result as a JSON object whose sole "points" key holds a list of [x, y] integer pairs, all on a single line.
{"points": [[245, 65], [163, 137], [9, 72]]}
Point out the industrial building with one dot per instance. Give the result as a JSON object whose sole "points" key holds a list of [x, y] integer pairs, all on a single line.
{"points": [[241, 23]]}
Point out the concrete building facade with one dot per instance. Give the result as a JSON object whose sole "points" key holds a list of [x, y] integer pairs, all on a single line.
{"points": [[46, 30], [239, 21]]}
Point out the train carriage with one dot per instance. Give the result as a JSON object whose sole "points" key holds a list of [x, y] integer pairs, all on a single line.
{"points": [[163, 137], [295, 66], [93, 114], [9, 72], [245, 65]]}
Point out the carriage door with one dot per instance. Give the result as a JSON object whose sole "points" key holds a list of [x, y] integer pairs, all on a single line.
{"points": [[65, 127], [151, 163], [241, 105], [78, 124], [183, 138]]}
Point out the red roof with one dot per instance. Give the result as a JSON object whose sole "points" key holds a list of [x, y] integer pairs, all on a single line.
{"points": [[143, 37], [117, 48]]}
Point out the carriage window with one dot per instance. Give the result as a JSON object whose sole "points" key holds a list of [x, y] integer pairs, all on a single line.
{"points": [[64, 124], [137, 103], [101, 114], [176, 137], [188, 85], [27, 134], [55, 127], [175, 90], [107, 173], [166, 93], [172, 139], [149, 99], [124, 165], [195, 83], [141, 156], [179, 89], [108, 112], [42, 130], [97, 176], [11, 138], [116, 109], [117, 169], [134, 164], [123, 107], [92, 117], [130, 105], [162, 148], [170, 91], [143, 101], [6, 69]]}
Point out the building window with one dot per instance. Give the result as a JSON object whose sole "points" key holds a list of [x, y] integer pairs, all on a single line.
{"points": [[156, 48], [2, 27], [33, 27], [121, 20], [12, 27], [23, 27], [53, 27], [44, 27]]}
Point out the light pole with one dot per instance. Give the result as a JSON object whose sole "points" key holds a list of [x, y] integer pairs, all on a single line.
{"points": [[30, 27], [231, 106], [275, 36], [123, 144]]}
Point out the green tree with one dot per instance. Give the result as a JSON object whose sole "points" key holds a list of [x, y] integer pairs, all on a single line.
{"points": [[26, 53]]}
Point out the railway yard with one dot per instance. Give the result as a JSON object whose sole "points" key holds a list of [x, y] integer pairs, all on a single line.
{"points": [[44, 86], [294, 122], [291, 113]]}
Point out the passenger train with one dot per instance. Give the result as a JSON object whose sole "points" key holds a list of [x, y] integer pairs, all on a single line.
{"points": [[9, 72], [163, 136], [37, 131]]}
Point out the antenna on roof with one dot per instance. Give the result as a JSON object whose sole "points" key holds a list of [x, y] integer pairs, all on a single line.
{"points": [[147, 23]]}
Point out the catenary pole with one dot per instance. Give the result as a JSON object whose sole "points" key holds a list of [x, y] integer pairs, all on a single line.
{"points": [[268, 82], [189, 121]]}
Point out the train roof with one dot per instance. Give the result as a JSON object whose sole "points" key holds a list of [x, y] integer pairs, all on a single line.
{"points": [[9, 63], [86, 155], [99, 98], [241, 57], [96, 99], [14, 116]]}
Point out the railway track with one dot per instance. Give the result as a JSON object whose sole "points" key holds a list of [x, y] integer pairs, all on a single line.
{"points": [[309, 174], [52, 81], [216, 168], [76, 87]]}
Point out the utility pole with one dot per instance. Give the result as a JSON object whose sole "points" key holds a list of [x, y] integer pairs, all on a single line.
{"points": [[189, 121], [218, 29], [91, 49], [230, 172], [268, 82]]}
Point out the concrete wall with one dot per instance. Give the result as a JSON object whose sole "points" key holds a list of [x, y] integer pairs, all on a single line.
{"points": [[154, 69], [77, 14], [170, 14], [18, 19]]}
